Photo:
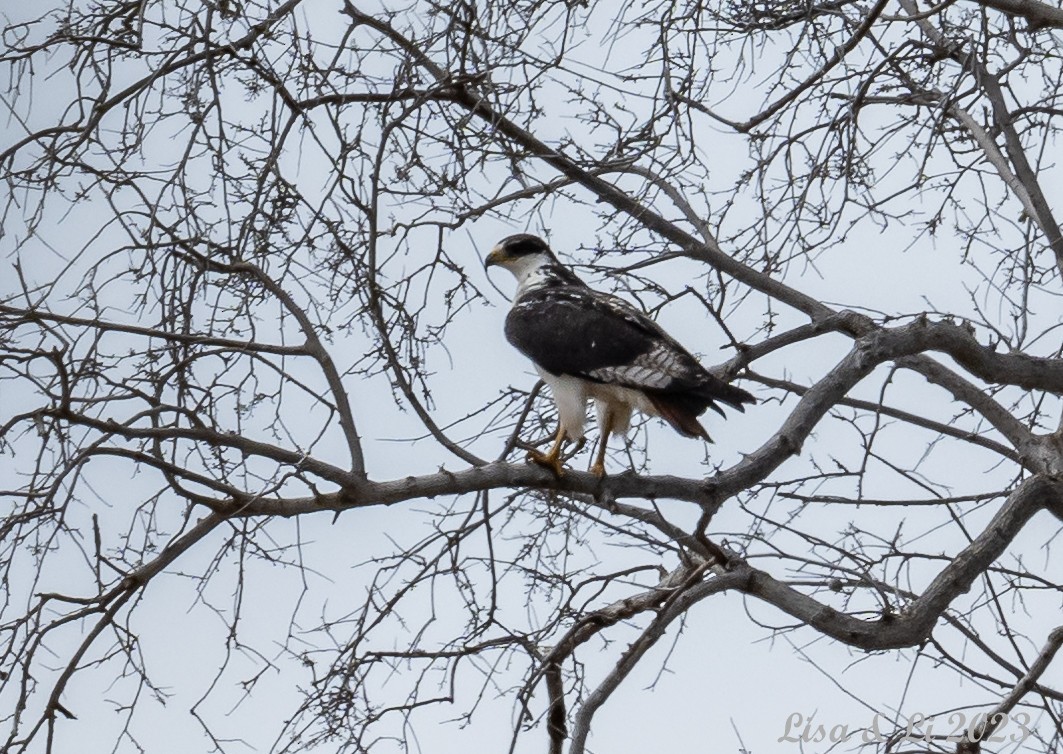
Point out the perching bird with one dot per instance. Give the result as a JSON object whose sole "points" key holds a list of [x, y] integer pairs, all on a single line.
{"points": [[590, 345]]}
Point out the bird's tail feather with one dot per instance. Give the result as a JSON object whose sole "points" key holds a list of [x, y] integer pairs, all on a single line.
{"points": [[720, 391], [679, 416]]}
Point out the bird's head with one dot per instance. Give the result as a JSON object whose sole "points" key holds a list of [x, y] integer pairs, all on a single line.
{"points": [[521, 254]]}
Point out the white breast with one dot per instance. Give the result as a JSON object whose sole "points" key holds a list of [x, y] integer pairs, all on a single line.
{"points": [[570, 395]]}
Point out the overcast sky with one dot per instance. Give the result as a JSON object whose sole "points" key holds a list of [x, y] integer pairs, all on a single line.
{"points": [[729, 683]]}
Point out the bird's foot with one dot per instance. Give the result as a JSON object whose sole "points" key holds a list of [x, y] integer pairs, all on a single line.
{"points": [[598, 469], [550, 461], [578, 447]]}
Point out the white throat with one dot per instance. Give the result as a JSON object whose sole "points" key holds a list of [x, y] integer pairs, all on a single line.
{"points": [[529, 271]]}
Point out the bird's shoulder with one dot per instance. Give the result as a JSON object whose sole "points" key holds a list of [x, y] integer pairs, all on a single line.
{"points": [[576, 302]]}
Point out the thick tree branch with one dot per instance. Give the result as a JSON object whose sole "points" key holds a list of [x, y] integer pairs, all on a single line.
{"points": [[868, 353], [1039, 15], [917, 620]]}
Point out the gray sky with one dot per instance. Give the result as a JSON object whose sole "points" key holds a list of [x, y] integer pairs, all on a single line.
{"points": [[727, 682]]}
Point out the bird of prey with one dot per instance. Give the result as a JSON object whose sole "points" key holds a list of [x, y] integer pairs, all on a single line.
{"points": [[588, 345]]}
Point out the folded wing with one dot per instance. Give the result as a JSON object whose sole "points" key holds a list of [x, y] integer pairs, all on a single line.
{"points": [[577, 331]]}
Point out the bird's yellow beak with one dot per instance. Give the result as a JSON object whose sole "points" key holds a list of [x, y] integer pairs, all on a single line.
{"points": [[497, 256]]}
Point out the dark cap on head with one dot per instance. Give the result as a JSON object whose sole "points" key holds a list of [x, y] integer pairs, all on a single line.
{"points": [[518, 245]]}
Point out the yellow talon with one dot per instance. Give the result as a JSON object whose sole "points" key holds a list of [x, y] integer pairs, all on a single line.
{"points": [[550, 461]]}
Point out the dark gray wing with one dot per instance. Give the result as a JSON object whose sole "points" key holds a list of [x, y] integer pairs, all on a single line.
{"points": [[578, 331], [575, 331]]}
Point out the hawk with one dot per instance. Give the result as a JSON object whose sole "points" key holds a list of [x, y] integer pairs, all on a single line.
{"points": [[589, 345]]}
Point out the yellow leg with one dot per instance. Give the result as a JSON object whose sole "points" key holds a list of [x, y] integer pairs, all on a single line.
{"points": [[598, 467], [551, 460]]}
